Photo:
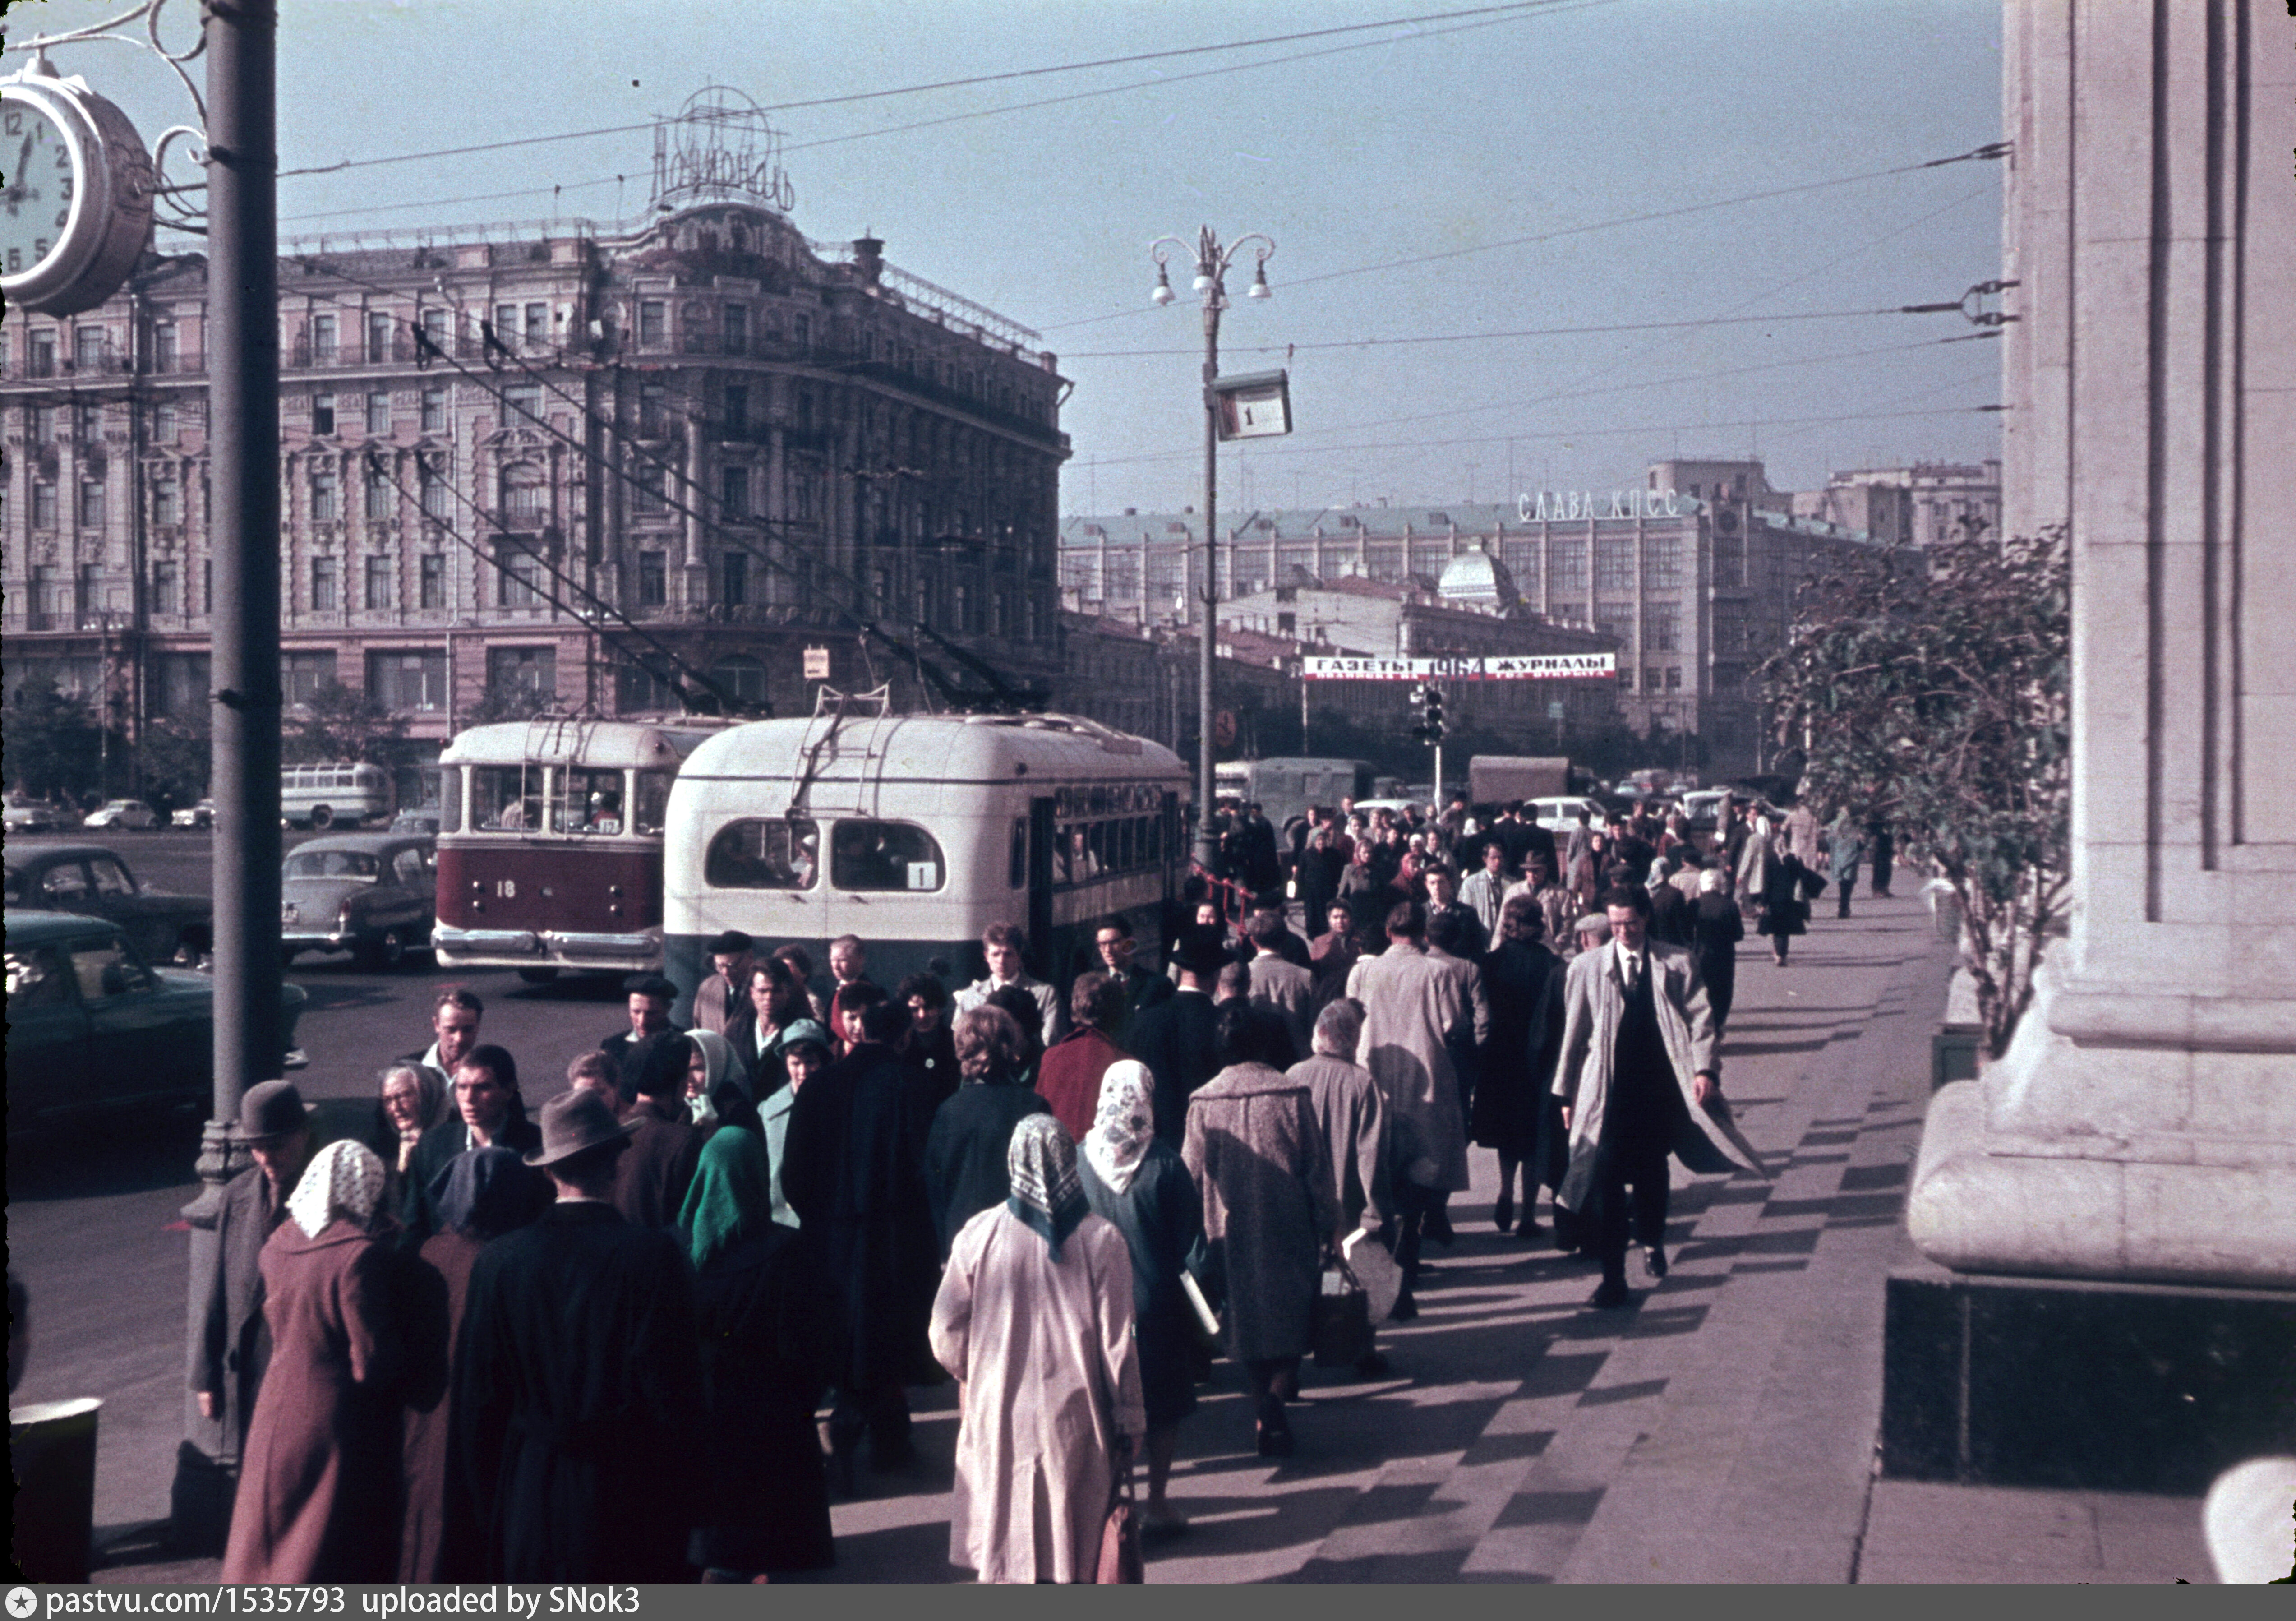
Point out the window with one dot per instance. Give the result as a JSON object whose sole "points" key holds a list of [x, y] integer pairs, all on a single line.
{"points": [[378, 337], [181, 687], [638, 690], [87, 422], [163, 595], [960, 608], [653, 479], [166, 502], [518, 577], [377, 592], [326, 500], [506, 323], [105, 970], [323, 584], [434, 410], [653, 415], [322, 414], [378, 497], [801, 331], [1614, 565], [302, 674], [409, 682], [323, 342], [1016, 865], [506, 797], [736, 591], [1674, 678], [735, 484], [43, 506], [737, 410], [44, 354], [653, 579], [650, 814], [430, 580], [1661, 627], [777, 852], [526, 500], [536, 333], [437, 327], [88, 590], [40, 424], [737, 329], [741, 677], [91, 505], [586, 799], [653, 322], [523, 402], [432, 477], [378, 412], [1570, 571], [875, 856], [87, 349], [36, 977], [1662, 562], [67, 881], [532, 671]]}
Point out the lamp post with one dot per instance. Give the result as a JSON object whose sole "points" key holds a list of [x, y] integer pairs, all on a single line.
{"points": [[1212, 260]]}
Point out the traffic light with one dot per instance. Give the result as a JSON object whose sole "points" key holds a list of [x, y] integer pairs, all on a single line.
{"points": [[1434, 714], [1427, 712]]}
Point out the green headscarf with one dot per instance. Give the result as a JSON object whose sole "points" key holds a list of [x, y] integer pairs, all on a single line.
{"points": [[731, 1193]]}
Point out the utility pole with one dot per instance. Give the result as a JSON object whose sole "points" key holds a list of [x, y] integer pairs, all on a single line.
{"points": [[243, 529]]}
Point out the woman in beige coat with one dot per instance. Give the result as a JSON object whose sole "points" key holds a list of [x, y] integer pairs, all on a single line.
{"points": [[1034, 1318]]}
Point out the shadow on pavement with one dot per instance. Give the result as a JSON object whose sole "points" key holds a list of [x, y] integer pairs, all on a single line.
{"points": [[133, 1154]]}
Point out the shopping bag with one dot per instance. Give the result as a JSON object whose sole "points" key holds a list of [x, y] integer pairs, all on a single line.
{"points": [[1375, 1270], [1342, 1328]]}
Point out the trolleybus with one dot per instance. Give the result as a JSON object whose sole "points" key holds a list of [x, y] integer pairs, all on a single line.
{"points": [[917, 832], [550, 843]]}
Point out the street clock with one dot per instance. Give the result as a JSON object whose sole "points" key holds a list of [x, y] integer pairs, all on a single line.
{"points": [[76, 204]]}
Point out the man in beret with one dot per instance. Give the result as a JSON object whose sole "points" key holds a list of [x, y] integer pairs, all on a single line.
{"points": [[726, 991], [650, 998], [235, 1344]]}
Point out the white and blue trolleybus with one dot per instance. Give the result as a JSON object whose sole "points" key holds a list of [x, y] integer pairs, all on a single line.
{"points": [[917, 832]]}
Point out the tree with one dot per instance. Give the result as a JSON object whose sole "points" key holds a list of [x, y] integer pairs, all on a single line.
{"points": [[55, 743], [338, 724], [178, 759], [1930, 687]]}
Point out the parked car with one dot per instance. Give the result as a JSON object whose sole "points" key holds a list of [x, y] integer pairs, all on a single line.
{"points": [[94, 881], [1560, 813], [122, 813], [93, 1028], [416, 821], [201, 815], [31, 816], [375, 893]]}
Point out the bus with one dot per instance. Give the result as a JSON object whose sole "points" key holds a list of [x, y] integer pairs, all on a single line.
{"points": [[917, 832], [550, 843], [342, 794]]}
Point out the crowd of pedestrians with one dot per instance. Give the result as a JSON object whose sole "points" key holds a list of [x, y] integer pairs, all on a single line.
{"points": [[462, 1342]]}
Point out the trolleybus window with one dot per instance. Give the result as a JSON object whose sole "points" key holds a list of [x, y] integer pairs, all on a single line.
{"points": [[586, 799], [652, 812], [450, 799], [508, 796], [763, 852], [883, 855], [1017, 873]]}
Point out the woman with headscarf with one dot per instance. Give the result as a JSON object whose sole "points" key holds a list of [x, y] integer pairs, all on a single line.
{"points": [[1264, 1167], [763, 1312], [965, 1150], [1034, 1319], [319, 1478], [482, 1194], [716, 1086], [1717, 926], [1143, 1187], [412, 1098]]}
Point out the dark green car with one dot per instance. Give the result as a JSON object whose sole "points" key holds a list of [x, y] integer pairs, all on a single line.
{"points": [[93, 1027]]}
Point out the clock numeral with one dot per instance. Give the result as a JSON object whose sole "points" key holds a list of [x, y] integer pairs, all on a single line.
{"points": [[16, 123], [63, 219], [40, 246], [15, 260], [67, 191], [63, 157]]}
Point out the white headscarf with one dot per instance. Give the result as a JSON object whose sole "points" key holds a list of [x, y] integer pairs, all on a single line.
{"points": [[343, 1179], [1124, 1125]]}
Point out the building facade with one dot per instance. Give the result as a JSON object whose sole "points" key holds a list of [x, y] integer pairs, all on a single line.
{"points": [[554, 468], [1690, 575], [1926, 504]]}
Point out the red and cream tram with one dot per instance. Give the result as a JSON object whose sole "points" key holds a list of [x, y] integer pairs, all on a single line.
{"points": [[550, 843]]}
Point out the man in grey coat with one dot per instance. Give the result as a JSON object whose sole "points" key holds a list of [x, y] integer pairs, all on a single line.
{"points": [[1279, 985], [1638, 1080], [234, 1345]]}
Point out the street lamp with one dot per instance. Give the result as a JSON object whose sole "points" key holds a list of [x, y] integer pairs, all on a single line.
{"points": [[1211, 260]]}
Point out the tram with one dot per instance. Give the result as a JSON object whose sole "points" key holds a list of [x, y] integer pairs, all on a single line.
{"points": [[917, 832], [550, 843]]}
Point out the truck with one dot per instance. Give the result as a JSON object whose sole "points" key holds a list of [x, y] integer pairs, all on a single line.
{"points": [[1494, 779], [1285, 788]]}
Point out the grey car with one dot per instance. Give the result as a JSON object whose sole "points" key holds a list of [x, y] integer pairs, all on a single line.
{"points": [[373, 893]]}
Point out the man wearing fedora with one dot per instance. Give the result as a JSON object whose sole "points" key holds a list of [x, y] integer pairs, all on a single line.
{"points": [[1177, 1039], [577, 1407], [235, 1344], [726, 991]]}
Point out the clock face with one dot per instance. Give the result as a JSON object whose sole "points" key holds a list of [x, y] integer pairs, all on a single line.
{"points": [[43, 182]]}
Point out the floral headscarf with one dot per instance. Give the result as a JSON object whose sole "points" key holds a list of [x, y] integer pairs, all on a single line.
{"points": [[731, 1194], [1124, 1125], [1048, 1193], [344, 1178]]}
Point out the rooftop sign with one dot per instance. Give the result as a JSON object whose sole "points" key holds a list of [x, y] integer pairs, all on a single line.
{"points": [[1497, 667]]}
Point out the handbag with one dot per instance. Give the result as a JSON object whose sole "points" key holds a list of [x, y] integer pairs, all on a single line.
{"points": [[1341, 1331], [1120, 1535]]}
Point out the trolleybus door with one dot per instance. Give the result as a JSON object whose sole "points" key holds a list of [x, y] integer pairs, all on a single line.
{"points": [[1043, 829]]}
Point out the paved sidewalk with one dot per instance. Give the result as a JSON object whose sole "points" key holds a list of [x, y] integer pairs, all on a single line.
{"points": [[1723, 1429]]}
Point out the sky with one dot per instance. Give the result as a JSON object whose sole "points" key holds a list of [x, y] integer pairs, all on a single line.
{"points": [[1482, 179]]}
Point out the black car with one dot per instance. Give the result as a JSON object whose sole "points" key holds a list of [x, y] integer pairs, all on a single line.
{"points": [[91, 880]]}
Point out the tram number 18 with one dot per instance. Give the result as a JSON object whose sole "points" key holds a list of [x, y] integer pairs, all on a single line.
{"points": [[507, 888]]}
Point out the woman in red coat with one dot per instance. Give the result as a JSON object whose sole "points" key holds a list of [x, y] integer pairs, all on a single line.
{"points": [[319, 1481]]}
